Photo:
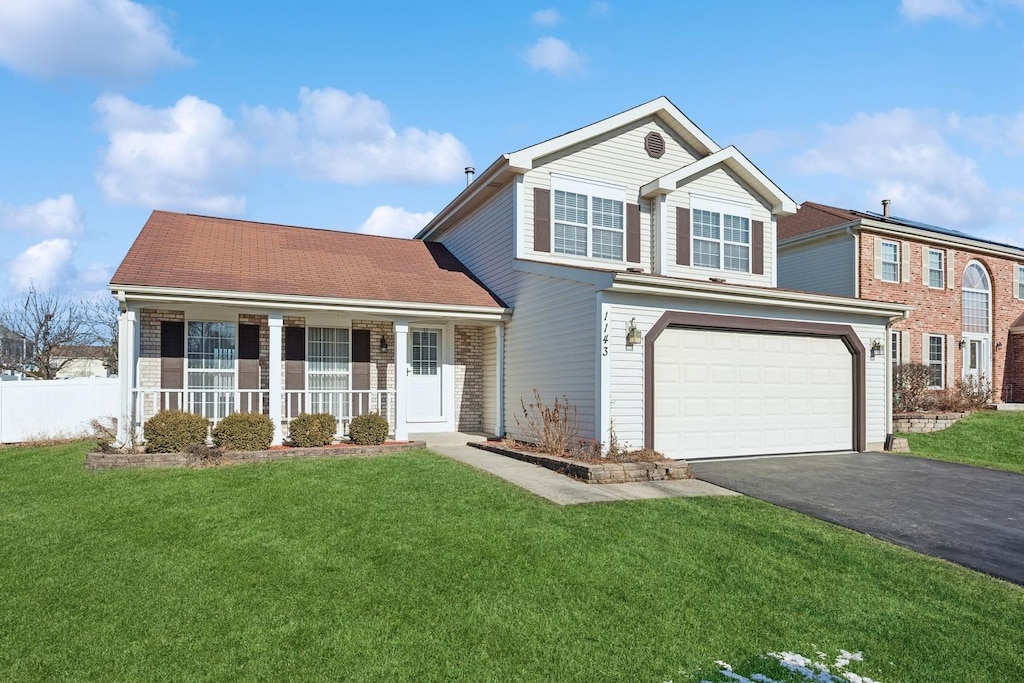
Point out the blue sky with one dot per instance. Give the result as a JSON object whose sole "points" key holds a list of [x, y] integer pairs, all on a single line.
{"points": [[361, 116]]}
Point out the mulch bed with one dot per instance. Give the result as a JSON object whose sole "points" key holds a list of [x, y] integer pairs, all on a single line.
{"points": [[107, 461]]}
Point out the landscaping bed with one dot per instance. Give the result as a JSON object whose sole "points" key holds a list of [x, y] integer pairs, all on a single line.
{"points": [[596, 472], [106, 461]]}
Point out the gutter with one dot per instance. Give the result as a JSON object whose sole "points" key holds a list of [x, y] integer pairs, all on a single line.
{"points": [[493, 173], [290, 302], [695, 289]]}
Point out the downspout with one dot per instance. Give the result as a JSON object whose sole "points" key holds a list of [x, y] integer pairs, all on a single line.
{"points": [[856, 260]]}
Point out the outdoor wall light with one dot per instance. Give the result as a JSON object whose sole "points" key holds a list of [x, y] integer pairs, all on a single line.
{"points": [[961, 344], [876, 348], [632, 334], [999, 346], [383, 344]]}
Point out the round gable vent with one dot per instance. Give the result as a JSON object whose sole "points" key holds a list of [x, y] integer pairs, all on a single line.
{"points": [[655, 145]]}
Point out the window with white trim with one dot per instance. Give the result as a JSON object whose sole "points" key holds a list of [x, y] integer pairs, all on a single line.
{"points": [[1020, 282], [936, 268], [328, 368], [721, 236], [210, 368], [976, 299], [936, 360], [894, 348], [890, 261], [589, 219]]}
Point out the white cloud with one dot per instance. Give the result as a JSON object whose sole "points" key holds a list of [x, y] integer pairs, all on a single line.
{"points": [[348, 139], [598, 9], [546, 17], [43, 265], [107, 40], [94, 275], [55, 216], [393, 221], [1000, 132], [182, 157], [554, 55], [903, 155]]}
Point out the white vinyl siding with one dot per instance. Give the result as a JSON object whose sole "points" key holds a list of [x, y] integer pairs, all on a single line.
{"points": [[484, 242], [551, 346], [825, 266], [935, 268], [935, 357]]}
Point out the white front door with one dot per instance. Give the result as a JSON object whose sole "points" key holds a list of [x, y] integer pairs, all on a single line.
{"points": [[976, 358], [425, 403]]}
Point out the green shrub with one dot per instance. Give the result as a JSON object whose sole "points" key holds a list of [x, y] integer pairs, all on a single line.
{"points": [[309, 430], [244, 432], [369, 429], [172, 431]]}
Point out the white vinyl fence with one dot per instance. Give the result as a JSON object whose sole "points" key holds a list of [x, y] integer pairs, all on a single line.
{"points": [[39, 409]]}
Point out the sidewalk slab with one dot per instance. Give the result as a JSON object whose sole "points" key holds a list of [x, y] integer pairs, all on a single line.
{"points": [[555, 487]]}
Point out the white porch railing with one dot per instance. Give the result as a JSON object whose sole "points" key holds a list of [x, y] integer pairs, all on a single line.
{"points": [[216, 405]]}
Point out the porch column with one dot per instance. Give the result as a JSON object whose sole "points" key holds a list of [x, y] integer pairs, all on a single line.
{"points": [[126, 356], [401, 379], [499, 375], [275, 321]]}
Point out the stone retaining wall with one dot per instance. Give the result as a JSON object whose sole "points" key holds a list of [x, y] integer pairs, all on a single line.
{"points": [[109, 461], [598, 473], [920, 423]]}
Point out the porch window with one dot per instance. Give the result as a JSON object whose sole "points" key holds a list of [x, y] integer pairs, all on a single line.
{"points": [[210, 358], [328, 367]]}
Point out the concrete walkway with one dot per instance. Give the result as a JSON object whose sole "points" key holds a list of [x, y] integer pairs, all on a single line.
{"points": [[559, 488]]}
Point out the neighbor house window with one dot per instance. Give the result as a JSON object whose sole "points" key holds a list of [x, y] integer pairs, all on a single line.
{"points": [[1020, 282], [890, 261], [894, 348], [210, 357], [328, 356], [936, 268], [936, 360], [589, 219], [721, 238], [976, 300]]}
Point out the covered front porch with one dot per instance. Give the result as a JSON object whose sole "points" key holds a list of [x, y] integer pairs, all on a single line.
{"points": [[423, 370]]}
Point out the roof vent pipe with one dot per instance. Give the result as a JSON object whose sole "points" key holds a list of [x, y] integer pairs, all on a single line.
{"points": [[885, 207], [469, 175]]}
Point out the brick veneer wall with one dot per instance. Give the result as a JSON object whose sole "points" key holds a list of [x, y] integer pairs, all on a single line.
{"points": [[149, 344], [469, 378], [940, 311]]}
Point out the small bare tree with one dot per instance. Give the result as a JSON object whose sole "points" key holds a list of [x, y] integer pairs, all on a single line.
{"points": [[41, 326]]}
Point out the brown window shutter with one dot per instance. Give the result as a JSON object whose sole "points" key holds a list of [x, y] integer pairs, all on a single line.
{"points": [[682, 236], [541, 219], [633, 233], [248, 342], [360, 371], [757, 247], [172, 339]]}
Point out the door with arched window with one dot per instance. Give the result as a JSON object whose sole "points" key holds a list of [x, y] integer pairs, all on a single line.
{"points": [[977, 323]]}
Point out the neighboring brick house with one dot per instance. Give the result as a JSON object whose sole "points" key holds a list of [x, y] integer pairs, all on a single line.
{"points": [[967, 292]]}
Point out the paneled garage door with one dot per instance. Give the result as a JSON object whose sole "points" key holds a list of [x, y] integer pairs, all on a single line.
{"points": [[722, 393]]}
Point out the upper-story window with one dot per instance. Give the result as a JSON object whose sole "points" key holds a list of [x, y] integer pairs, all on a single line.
{"points": [[721, 235], [1020, 282], [936, 275], [976, 298], [890, 261], [589, 219]]}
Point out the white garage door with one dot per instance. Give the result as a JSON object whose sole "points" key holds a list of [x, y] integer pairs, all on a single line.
{"points": [[722, 393]]}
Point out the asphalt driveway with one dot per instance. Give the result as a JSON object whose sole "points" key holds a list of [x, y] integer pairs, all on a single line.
{"points": [[968, 515]]}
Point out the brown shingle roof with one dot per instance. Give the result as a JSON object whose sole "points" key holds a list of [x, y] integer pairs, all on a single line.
{"points": [[202, 252], [810, 217]]}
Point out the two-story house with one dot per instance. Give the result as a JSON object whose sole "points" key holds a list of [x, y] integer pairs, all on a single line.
{"points": [[629, 265], [967, 293]]}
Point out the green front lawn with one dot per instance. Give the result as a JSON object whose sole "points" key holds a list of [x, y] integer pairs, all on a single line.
{"points": [[989, 439], [414, 567]]}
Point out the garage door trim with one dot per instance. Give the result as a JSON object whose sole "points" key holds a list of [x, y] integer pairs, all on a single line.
{"points": [[710, 321]]}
